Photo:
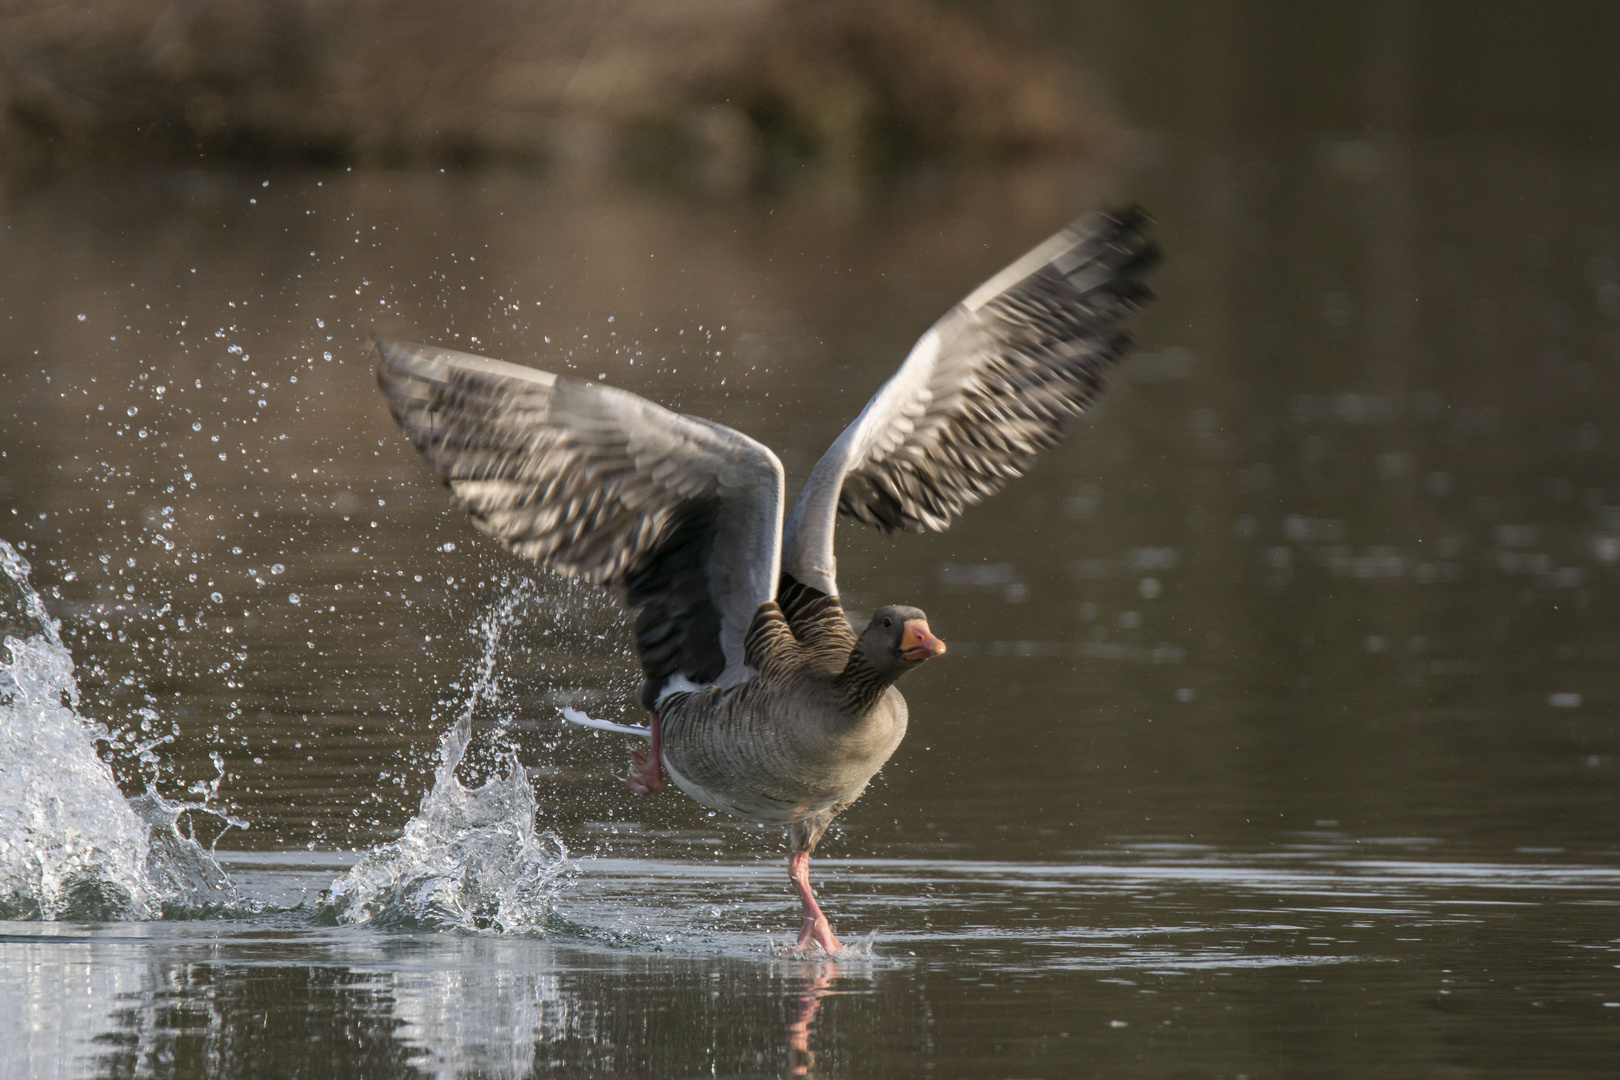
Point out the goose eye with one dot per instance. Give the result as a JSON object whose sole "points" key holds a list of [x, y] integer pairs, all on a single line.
{"points": [[887, 623]]}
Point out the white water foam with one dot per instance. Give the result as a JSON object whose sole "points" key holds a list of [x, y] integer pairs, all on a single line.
{"points": [[471, 858], [71, 845]]}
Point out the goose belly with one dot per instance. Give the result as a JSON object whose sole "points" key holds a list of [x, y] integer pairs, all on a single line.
{"points": [[745, 762], [742, 804]]}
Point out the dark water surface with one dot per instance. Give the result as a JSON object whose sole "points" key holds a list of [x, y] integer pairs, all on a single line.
{"points": [[1309, 960], [1277, 735]]}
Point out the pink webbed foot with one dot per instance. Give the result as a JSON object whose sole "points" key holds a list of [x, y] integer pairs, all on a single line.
{"points": [[817, 931], [647, 766]]}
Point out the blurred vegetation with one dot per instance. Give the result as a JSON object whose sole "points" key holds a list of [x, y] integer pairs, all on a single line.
{"points": [[723, 93]]}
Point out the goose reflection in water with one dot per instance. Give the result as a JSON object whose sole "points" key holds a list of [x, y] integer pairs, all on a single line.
{"points": [[817, 985]]}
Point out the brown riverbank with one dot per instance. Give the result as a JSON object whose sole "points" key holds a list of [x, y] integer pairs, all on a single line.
{"points": [[722, 93]]}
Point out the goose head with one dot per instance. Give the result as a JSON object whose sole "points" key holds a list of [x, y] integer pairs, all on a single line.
{"points": [[897, 640]]}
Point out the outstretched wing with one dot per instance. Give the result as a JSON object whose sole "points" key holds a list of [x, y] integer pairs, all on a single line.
{"points": [[597, 482], [988, 387]]}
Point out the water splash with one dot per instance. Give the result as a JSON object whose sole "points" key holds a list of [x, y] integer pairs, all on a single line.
{"points": [[471, 858], [71, 845]]}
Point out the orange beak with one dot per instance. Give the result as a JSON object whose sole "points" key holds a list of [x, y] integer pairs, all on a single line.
{"points": [[916, 643]]}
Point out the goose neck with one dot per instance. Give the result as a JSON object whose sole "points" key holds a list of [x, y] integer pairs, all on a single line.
{"points": [[861, 684]]}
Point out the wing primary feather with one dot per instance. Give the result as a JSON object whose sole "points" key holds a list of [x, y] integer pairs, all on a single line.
{"points": [[990, 386]]}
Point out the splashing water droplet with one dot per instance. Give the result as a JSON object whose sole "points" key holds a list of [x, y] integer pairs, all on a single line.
{"points": [[471, 858], [75, 847]]}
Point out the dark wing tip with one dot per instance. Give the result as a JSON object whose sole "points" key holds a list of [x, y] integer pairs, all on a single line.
{"points": [[397, 361], [1118, 240], [400, 356]]}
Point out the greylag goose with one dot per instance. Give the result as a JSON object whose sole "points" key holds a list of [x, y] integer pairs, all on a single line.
{"points": [[763, 702]]}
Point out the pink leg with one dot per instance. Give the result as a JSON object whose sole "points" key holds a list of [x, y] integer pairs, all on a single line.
{"points": [[647, 767], [817, 930]]}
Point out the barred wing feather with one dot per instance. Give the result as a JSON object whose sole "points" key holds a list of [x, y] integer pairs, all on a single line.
{"points": [[987, 388], [597, 482]]}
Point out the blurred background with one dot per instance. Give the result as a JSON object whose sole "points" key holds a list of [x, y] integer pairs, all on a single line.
{"points": [[1335, 566], [1339, 545]]}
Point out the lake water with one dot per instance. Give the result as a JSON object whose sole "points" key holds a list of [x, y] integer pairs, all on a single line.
{"points": [[1277, 735]]}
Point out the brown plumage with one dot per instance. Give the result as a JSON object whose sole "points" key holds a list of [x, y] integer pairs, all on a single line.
{"points": [[763, 701]]}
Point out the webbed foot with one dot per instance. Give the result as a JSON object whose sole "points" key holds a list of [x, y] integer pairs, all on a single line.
{"points": [[647, 766], [817, 934]]}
